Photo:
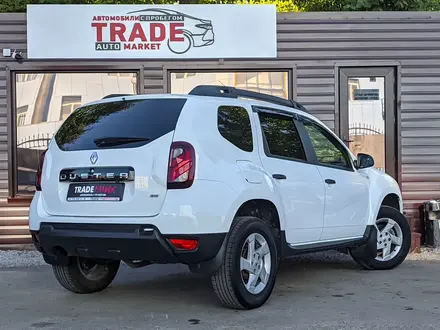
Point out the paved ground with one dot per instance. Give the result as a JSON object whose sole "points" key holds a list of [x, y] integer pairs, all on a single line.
{"points": [[311, 293]]}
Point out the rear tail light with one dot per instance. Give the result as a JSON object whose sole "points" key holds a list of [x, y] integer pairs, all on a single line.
{"points": [[39, 171], [184, 244], [181, 165]]}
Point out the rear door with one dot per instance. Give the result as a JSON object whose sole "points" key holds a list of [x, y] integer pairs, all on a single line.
{"points": [[298, 182], [111, 159]]}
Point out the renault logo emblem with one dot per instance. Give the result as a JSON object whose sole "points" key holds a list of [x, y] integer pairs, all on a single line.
{"points": [[94, 157]]}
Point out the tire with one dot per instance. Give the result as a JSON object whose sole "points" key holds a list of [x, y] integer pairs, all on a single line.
{"points": [[400, 229], [74, 278], [229, 282]]}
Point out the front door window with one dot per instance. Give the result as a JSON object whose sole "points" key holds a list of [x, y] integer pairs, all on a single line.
{"points": [[328, 151]]}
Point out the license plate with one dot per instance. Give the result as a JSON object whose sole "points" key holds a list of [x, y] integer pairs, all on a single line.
{"points": [[84, 192]]}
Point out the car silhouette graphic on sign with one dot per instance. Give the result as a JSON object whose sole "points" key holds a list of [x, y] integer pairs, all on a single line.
{"points": [[196, 32]]}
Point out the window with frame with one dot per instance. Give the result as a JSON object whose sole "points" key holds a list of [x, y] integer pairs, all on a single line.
{"points": [[68, 105], [234, 125], [353, 85], [21, 115], [43, 102], [267, 82], [273, 83], [281, 135], [120, 74], [183, 75], [328, 150], [24, 77]]}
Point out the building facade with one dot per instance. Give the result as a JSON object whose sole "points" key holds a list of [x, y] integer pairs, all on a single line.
{"points": [[374, 78]]}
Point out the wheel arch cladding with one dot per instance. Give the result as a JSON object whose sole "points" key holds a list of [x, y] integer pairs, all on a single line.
{"points": [[388, 198], [265, 210], [261, 208], [392, 200]]}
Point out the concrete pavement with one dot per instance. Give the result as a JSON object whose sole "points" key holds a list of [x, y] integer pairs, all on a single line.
{"points": [[310, 294]]}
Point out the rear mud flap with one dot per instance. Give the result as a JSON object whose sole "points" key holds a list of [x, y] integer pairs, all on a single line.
{"points": [[57, 260]]}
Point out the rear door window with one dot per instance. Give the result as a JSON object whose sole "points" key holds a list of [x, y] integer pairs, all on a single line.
{"points": [[121, 124], [281, 136]]}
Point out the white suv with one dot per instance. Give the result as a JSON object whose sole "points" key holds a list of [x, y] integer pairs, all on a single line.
{"points": [[223, 180]]}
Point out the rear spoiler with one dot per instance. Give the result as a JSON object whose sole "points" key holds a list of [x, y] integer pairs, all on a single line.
{"points": [[115, 95]]}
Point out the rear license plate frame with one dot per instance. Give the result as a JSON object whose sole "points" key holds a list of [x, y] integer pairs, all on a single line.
{"points": [[98, 192]]}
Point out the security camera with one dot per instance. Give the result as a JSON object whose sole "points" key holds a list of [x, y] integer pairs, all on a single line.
{"points": [[17, 55]]}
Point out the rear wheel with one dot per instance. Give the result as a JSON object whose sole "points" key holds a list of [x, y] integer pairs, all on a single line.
{"points": [[393, 241], [247, 275], [85, 275]]}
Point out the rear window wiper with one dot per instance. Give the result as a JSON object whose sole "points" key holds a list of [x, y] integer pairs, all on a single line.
{"points": [[118, 140]]}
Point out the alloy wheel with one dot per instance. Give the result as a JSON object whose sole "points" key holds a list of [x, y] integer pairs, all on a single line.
{"points": [[389, 239], [92, 270], [255, 263]]}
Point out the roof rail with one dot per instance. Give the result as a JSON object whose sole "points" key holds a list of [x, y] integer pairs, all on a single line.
{"points": [[115, 95], [235, 93]]}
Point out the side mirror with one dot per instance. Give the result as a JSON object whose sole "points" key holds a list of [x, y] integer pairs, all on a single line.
{"points": [[364, 161]]}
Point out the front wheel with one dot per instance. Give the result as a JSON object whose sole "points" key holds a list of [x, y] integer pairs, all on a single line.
{"points": [[85, 275], [247, 275], [393, 241]]}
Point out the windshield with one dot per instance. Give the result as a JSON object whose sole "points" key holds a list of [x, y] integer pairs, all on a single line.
{"points": [[121, 124]]}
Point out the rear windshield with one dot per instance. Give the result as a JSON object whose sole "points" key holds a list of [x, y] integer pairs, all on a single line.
{"points": [[121, 124]]}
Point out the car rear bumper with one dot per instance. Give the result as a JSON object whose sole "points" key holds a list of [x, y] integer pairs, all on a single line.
{"points": [[185, 211], [59, 241]]}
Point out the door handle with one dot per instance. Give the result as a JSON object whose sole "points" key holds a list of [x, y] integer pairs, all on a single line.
{"points": [[330, 181], [279, 176]]}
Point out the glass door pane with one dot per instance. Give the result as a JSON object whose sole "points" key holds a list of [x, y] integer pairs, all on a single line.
{"points": [[367, 114], [366, 117]]}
